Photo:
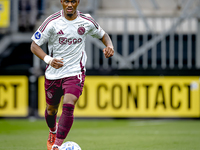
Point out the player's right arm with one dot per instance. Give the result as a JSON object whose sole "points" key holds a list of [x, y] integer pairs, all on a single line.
{"points": [[35, 49], [43, 34], [56, 63]]}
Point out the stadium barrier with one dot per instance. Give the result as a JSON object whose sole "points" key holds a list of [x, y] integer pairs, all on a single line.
{"points": [[135, 96], [112, 96], [14, 96]]}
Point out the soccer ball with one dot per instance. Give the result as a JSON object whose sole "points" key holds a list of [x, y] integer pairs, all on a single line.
{"points": [[70, 146]]}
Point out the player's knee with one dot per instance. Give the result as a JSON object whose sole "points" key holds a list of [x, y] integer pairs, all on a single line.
{"points": [[52, 111], [70, 99]]}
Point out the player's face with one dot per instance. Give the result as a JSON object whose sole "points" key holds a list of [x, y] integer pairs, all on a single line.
{"points": [[69, 7]]}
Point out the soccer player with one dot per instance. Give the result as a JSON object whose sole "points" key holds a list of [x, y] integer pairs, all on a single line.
{"points": [[65, 32]]}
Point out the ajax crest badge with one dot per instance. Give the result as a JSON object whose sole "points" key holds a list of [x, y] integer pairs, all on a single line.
{"points": [[81, 30]]}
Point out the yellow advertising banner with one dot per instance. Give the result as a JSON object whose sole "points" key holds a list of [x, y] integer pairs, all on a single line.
{"points": [[13, 96], [4, 13], [135, 96]]}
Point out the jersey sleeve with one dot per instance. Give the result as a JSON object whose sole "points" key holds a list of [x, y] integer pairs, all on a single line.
{"points": [[96, 30], [42, 34]]}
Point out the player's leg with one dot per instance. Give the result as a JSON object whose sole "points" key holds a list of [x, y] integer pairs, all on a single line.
{"points": [[72, 88], [66, 118], [50, 117], [53, 93]]}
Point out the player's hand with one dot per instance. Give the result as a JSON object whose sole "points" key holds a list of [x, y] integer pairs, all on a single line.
{"points": [[108, 52], [57, 63]]}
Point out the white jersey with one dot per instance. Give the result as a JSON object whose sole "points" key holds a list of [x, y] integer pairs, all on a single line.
{"points": [[66, 39]]}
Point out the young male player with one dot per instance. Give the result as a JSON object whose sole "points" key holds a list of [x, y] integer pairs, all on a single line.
{"points": [[65, 32]]}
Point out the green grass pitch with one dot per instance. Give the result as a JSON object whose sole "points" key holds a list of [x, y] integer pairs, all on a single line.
{"points": [[25, 134]]}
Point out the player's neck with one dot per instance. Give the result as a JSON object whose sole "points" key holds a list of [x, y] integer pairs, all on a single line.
{"points": [[71, 16]]}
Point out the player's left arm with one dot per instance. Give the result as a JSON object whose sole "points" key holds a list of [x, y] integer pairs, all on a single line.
{"points": [[109, 50]]}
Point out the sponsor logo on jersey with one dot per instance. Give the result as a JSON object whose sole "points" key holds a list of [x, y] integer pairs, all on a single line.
{"points": [[81, 30], [69, 41], [60, 32], [37, 35]]}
